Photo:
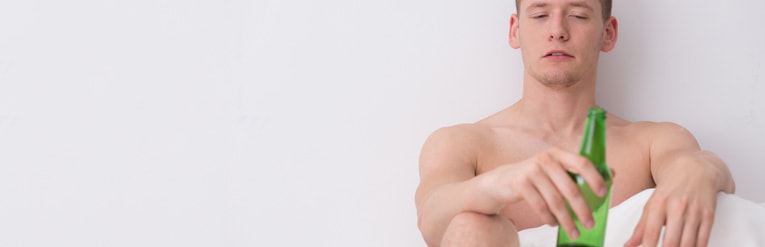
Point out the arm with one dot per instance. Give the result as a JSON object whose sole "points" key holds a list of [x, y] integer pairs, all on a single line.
{"points": [[447, 181], [677, 152], [449, 185], [687, 181]]}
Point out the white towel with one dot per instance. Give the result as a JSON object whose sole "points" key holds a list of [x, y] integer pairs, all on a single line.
{"points": [[738, 222]]}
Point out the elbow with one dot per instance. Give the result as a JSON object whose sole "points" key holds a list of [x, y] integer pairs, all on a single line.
{"points": [[725, 180], [731, 188], [429, 233]]}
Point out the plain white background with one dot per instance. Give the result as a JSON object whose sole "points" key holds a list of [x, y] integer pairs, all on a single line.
{"points": [[299, 123]]}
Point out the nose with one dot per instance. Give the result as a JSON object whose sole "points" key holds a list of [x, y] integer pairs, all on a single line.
{"points": [[559, 36], [558, 29]]}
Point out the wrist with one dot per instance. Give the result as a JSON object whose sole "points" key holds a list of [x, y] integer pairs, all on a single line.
{"points": [[485, 199]]}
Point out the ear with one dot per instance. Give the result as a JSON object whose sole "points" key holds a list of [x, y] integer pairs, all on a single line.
{"points": [[515, 43], [611, 34]]}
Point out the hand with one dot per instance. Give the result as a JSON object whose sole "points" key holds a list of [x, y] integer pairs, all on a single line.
{"points": [[543, 183], [684, 203]]}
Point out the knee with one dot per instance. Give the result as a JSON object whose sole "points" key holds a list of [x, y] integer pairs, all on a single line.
{"points": [[474, 229], [470, 221]]}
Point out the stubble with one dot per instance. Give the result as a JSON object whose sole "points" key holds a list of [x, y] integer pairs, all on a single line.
{"points": [[556, 79]]}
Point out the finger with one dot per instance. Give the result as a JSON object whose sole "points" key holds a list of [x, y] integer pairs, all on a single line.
{"points": [[577, 164], [674, 229], [558, 208], [552, 196], [637, 234], [537, 203], [705, 228], [654, 221], [571, 193], [690, 231]]}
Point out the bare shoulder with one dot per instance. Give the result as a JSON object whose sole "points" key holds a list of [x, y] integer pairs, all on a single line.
{"points": [[659, 130], [461, 138], [645, 127], [450, 155], [455, 147], [655, 134]]}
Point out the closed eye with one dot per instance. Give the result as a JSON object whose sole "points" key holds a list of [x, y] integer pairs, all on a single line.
{"points": [[539, 16]]}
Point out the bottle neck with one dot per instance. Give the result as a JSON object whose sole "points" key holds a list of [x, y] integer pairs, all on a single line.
{"points": [[594, 138]]}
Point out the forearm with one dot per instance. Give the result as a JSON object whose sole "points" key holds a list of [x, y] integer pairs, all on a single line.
{"points": [[705, 163], [441, 204]]}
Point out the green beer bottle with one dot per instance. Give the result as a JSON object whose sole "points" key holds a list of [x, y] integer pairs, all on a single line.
{"points": [[594, 149]]}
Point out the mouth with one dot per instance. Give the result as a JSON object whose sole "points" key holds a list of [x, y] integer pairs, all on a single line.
{"points": [[555, 54]]}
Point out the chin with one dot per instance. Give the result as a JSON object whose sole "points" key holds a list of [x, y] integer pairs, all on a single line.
{"points": [[558, 85], [558, 80]]}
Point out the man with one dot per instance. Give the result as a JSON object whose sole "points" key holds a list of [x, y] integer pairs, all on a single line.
{"points": [[483, 182]]}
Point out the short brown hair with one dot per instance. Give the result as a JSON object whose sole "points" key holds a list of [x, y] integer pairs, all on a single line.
{"points": [[606, 4]]}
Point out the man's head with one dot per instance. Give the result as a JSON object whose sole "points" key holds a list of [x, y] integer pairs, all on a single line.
{"points": [[605, 7], [561, 40]]}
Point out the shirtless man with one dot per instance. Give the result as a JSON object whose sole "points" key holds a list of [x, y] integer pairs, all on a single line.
{"points": [[483, 182]]}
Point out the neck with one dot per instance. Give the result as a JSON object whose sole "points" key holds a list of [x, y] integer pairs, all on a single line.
{"points": [[559, 110]]}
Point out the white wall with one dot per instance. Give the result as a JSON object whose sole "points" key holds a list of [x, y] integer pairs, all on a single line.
{"points": [[299, 123]]}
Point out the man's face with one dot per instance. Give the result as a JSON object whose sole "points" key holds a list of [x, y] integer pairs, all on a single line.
{"points": [[561, 40]]}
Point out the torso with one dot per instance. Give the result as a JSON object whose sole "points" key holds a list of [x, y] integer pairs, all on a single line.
{"points": [[627, 154]]}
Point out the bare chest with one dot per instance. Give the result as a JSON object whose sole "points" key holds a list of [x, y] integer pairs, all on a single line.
{"points": [[627, 157]]}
